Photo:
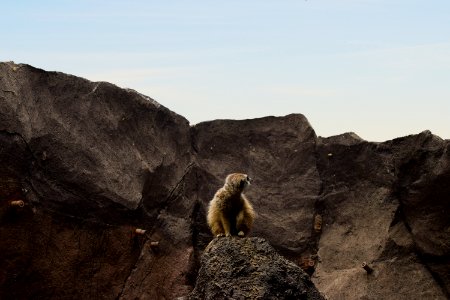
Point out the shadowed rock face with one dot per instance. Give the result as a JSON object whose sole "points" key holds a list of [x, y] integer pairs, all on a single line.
{"points": [[93, 162]]}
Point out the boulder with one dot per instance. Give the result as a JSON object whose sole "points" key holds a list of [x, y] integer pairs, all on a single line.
{"points": [[92, 163], [107, 141], [249, 268], [279, 155], [366, 219]]}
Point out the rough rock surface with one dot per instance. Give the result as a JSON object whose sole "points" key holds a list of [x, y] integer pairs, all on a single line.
{"points": [[249, 268], [368, 189], [279, 154], [93, 162]]}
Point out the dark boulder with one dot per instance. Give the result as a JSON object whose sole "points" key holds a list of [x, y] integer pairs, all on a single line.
{"points": [[279, 156], [249, 268], [92, 162]]}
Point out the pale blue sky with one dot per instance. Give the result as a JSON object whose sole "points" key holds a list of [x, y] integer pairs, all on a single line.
{"points": [[380, 68]]}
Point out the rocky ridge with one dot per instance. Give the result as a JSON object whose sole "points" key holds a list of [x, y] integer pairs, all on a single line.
{"points": [[93, 162]]}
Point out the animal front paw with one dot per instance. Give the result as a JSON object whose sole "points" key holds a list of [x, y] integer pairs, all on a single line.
{"points": [[241, 234], [220, 235]]}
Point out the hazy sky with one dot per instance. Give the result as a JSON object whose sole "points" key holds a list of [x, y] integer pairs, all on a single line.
{"points": [[380, 68]]}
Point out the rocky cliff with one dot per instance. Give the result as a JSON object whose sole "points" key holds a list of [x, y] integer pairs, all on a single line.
{"points": [[93, 162]]}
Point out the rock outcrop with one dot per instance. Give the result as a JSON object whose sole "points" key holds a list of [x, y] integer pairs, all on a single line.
{"points": [[93, 162], [368, 191], [249, 268]]}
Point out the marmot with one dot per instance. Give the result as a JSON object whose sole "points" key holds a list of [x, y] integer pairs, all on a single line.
{"points": [[230, 212]]}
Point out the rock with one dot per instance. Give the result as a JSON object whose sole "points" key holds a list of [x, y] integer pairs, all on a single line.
{"points": [[366, 218], [249, 268], [93, 162], [108, 142], [96, 161], [279, 156], [349, 138]]}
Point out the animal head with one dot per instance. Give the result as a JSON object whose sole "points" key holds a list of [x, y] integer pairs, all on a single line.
{"points": [[237, 181]]}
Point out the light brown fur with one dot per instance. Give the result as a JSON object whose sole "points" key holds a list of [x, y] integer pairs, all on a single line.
{"points": [[230, 212]]}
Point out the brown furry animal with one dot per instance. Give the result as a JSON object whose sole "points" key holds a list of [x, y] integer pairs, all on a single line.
{"points": [[230, 213]]}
